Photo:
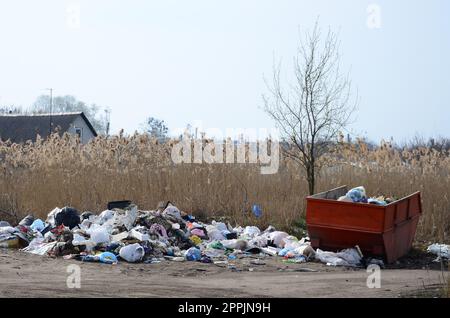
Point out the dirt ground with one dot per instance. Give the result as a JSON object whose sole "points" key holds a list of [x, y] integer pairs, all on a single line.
{"points": [[27, 275]]}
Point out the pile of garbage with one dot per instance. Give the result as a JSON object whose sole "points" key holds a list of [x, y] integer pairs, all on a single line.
{"points": [[358, 195], [167, 233]]}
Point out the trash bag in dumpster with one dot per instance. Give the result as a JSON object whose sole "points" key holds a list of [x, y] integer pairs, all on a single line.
{"points": [[379, 230], [67, 216], [357, 194]]}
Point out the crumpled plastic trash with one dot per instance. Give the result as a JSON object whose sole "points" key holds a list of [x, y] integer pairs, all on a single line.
{"points": [[104, 217], [349, 257], [100, 235], [7, 230], [107, 258], [132, 253], [277, 238], [4, 224], [220, 226], [51, 216], [195, 240], [27, 221], [357, 194], [119, 237], [38, 247], [172, 211], [213, 252], [236, 244], [297, 250], [376, 201], [134, 233], [8, 240], [159, 230], [214, 234], [79, 240], [193, 254], [251, 231], [37, 225], [259, 241], [123, 218], [270, 250], [440, 250], [198, 232]]}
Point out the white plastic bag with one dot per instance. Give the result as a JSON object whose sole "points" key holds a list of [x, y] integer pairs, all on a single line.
{"points": [[348, 257], [277, 238], [104, 217], [37, 225], [124, 218], [173, 211], [219, 225], [441, 250], [100, 235], [138, 235], [132, 253], [235, 244], [37, 247], [251, 231], [259, 241], [214, 234], [51, 216], [79, 240]]}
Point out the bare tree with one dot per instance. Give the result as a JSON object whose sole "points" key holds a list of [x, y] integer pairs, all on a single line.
{"points": [[69, 103], [156, 128], [311, 110], [12, 109]]}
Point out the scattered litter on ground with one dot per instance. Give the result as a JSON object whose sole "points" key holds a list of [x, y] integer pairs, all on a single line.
{"points": [[349, 257], [125, 233], [442, 251]]}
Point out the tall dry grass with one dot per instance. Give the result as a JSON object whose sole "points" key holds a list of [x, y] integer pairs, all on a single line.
{"points": [[36, 177]]}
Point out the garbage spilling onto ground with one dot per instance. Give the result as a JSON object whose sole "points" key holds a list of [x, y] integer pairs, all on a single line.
{"points": [[358, 195], [442, 251], [167, 234], [349, 257]]}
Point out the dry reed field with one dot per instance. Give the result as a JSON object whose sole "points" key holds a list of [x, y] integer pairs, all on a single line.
{"points": [[35, 178]]}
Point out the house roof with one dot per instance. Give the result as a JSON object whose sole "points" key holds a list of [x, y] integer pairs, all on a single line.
{"points": [[20, 128]]}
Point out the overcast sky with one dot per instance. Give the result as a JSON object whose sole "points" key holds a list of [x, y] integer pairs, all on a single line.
{"points": [[191, 60]]}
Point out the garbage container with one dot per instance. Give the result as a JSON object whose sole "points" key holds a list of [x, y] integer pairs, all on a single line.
{"points": [[386, 231]]}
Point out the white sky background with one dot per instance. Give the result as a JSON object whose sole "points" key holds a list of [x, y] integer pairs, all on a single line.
{"points": [[190, 60]]}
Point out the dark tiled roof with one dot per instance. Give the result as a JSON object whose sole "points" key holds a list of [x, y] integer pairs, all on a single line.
{"points": [[21, 128]]}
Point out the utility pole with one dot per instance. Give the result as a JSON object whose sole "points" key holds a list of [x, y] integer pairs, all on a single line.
{"points": [[51, 109], [107, 119]]}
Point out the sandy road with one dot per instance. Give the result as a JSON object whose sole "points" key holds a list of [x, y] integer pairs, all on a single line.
{"points": [[26, 275]]}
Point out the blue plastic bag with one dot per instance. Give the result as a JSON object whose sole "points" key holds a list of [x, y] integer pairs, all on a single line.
{"points": [[37, 225], [256, 209], [107, 258], [357, 194], [193, 254]]}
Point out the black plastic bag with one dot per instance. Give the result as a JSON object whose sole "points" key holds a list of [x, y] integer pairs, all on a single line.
{"points": [[67, 216]]}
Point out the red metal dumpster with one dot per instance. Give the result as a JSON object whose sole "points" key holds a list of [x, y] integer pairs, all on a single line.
{"points": [[386, 231]]}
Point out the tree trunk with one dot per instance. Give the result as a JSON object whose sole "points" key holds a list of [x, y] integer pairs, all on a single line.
{"points": [[310, 176]]}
